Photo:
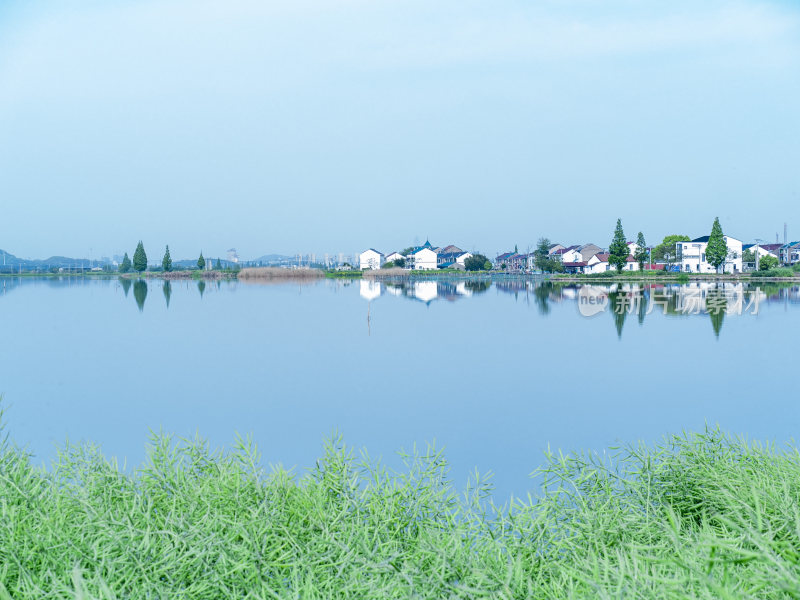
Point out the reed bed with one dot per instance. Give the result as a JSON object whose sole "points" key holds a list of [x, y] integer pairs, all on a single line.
{"points": [[698, 516], [257, 273], [381, 273]]}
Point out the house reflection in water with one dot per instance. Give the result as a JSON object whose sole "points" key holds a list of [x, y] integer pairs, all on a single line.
{"points": [[370, 289], [424, 291]]}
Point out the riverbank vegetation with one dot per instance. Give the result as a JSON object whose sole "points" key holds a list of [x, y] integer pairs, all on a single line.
{"points": [[698, 516], [260, 273]]}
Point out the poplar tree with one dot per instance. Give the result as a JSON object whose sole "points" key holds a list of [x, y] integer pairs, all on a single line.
{"points": [[140, 258], [717, 249], [218, 266], [641, 251], [125, 265], [166, 262], [618, 251], [201, 262]]}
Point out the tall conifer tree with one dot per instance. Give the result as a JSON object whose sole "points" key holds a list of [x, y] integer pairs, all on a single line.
{"points": [[140, 258], [618, 251]]}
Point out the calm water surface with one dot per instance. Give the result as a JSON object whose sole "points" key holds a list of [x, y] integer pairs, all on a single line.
{"points": [[494, 372]]}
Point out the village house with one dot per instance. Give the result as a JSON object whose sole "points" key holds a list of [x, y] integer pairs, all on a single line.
{"points": [[790, 253], [452, 260], [394, 256], [599, 263], [570, 254], [761, 250], [574, 266], [370, 259], [423, 257], [692, 256], [587, 251]]}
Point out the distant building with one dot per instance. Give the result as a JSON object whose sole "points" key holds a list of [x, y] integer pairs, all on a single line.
{"points": [[370, 259], [232, 256]]}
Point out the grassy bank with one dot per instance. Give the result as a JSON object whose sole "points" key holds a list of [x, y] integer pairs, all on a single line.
{"points": [[702, 516]]}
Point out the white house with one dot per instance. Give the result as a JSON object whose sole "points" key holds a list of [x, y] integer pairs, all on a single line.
{"points": [[761, 250], [424, 257], [692, 256], [570, 255], [599, 264], [371, 259], [394, 256]]}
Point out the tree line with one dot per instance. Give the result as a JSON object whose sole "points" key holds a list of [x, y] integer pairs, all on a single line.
{"points": [[139, 263]]}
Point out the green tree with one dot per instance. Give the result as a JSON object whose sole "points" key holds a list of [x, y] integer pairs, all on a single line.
{"points": [[476, 262], [666, 250], [765, 263], [541, 256], [125, 265], [748, 256], [400, 262], [640, 256], [717, 249], [140, 258], [166, 262], [201, 262], [618, 251], [218, 266]]}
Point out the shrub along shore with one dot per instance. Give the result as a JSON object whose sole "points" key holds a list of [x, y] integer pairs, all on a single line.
{"points": [[698, 516]]}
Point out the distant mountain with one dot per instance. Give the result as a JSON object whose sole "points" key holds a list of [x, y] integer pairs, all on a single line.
{"points": [[9, 262], [273, 259], [192, 263]]}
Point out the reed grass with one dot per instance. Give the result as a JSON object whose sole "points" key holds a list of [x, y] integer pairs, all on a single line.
{"points": [[698, 516], [256, 273]]}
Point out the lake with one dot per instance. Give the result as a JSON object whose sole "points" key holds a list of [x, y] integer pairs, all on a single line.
{"points": [[494, 371]]}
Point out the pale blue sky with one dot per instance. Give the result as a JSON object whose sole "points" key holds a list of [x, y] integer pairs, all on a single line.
{"points": [[341, 124]]}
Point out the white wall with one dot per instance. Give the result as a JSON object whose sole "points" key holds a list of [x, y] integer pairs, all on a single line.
{"points": [[425, 259], [369, 259], [693, 257]]}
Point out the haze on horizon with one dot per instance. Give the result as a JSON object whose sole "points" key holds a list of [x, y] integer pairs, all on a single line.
{"points": [[327, 126]]}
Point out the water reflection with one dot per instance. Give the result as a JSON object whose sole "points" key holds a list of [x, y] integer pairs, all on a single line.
{"points": [[425, 291], [714, 300], [201, 287], [167, 289], [126, 285], [140, 293]]}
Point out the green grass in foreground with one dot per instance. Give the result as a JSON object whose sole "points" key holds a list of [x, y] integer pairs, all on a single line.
{"points": [[700, 516]]}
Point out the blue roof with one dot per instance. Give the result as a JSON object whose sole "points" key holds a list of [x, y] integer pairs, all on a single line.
{"points": [[427, 244]]}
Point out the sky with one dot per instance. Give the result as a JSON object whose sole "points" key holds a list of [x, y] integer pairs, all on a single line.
{"points": [[337, 125]]}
